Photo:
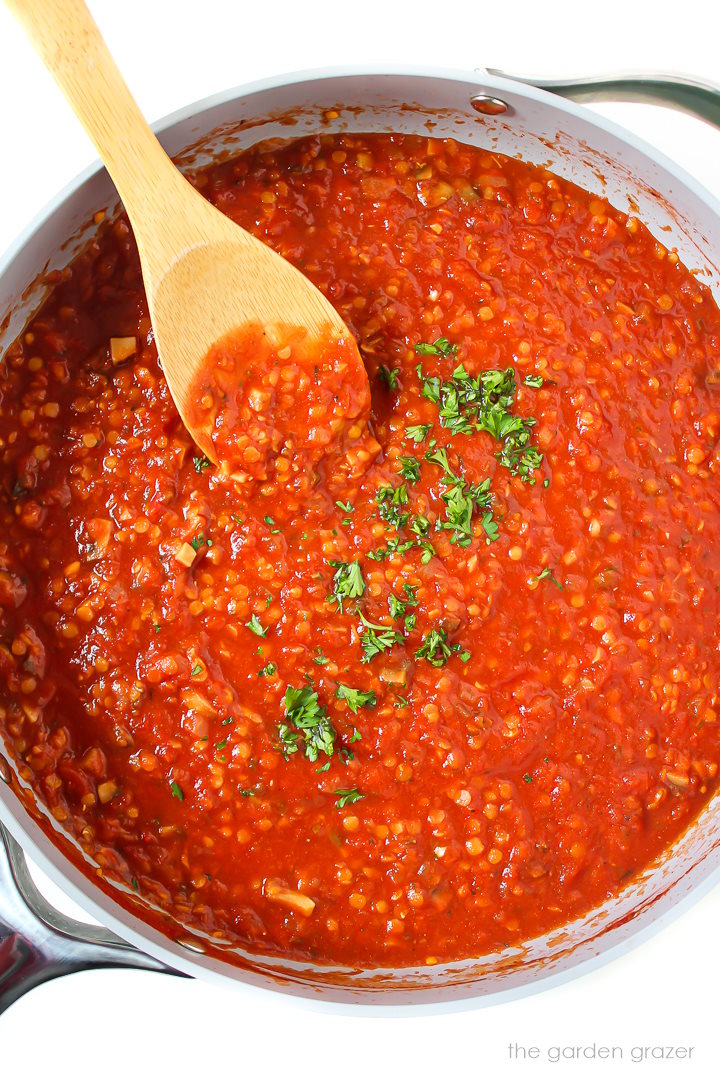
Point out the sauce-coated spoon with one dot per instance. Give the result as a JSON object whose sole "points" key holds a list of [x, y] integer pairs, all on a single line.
{"points": [[206, 278]]}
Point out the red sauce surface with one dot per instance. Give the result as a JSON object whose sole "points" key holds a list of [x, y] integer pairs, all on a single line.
{"points": [[541, 720], [286, 413]]}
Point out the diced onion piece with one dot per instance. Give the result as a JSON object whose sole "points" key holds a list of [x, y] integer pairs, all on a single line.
{"points": [[107, 791], [122, 348], [100, 531], [292, 899], [186, 554], [191, 699]]}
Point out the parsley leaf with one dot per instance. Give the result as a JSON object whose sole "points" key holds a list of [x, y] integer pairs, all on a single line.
{"points": [[177, 791], [440, 347], [256, 626], [389, 376], [439, 456], [547, 573], [268, 670], [434, 648], [347, 795], [468, 403], [374, 642], [535, 381], [491, 528], [394, 546], [417, 432], [390, 500], [201, 463], [460, 501], [410, 468], [306, 718], [347, 583], [356, 698], [197, 542], [399, 607]]}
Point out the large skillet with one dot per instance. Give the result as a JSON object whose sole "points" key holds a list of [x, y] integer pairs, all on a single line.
{"points": [[36, 943]]}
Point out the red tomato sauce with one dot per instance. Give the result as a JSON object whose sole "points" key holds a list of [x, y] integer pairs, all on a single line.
{"points": [[284, 413], [452, 700]]}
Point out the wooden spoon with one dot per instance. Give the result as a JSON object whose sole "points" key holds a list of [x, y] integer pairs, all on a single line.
{"points": [[205, 277]]}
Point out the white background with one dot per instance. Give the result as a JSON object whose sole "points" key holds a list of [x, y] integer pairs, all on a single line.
{"points": [[119, 1024]]}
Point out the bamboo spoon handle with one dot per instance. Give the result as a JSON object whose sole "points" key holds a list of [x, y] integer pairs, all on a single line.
{"points": [[70, 44]]}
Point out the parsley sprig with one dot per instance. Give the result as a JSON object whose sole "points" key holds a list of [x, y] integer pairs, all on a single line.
{"points": [[377, 639], [347, 796], [390, 501], [307, 720], [356, 699], [483, 402], [347, 583], [435, 649], [398, 608], [547, 573]]}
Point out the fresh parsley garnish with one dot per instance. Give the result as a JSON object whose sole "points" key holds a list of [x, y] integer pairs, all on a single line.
{"points": [[201, 463], [491, 528], [438, 456], [256, 626], [197, 669], [389, 376], [435, 649], [417, 432], [306, 719], [390, 501], [398, 608], [468, 403], [395, 546], [547, 573], [346, 507], [377, 639], [356, 699], [410, 468], [320, 659], [177, 791], [461, 500], [347, 583], [420, 525], [535, 381], [440, 347], [268, 670], [347, 795], [197, 542]]}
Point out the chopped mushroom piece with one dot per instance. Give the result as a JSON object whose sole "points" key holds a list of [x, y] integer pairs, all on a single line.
{"points": [[296, 901], [122, 348]]}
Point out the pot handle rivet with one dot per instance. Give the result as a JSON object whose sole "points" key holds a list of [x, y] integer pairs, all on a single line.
{"points": [[489, 105]]}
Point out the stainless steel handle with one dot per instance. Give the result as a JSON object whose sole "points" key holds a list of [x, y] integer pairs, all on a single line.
{"points": [[38, 943], [698, 97]]}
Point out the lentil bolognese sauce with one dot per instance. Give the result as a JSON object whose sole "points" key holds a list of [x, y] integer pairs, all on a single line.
{"points": [[417, 709]]}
